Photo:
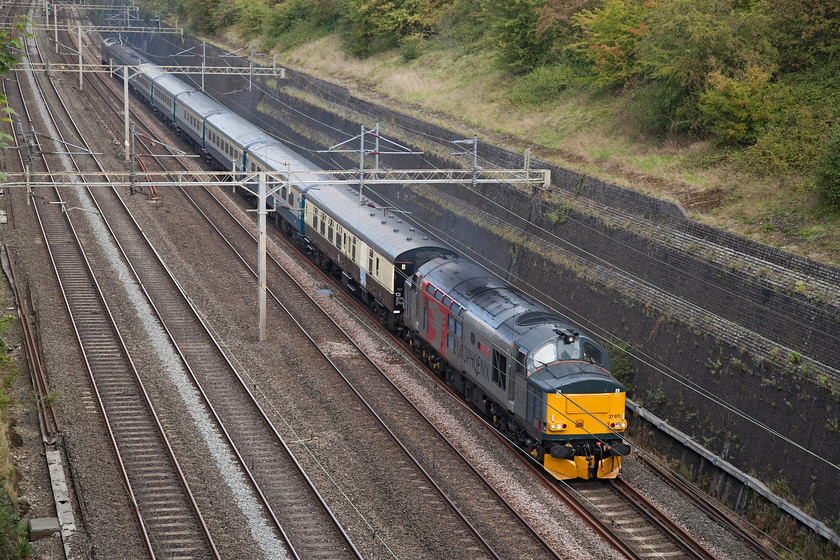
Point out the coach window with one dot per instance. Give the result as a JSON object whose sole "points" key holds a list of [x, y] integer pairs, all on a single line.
{"points": [[338, 234], [353, 249], [315, 218], [377, 267], [323, 227], [330, 231], [283, 192], [370, 261]]}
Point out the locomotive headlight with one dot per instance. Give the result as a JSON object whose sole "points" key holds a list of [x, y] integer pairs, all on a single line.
{"points": [[554, 426]]}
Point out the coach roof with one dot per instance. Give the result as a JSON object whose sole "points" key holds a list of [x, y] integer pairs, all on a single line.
{"points": [[385, 231]]}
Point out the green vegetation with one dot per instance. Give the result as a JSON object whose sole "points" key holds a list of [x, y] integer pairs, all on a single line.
{"points": [[10, 47], [726, 101], [14, 541], [621, 365]]}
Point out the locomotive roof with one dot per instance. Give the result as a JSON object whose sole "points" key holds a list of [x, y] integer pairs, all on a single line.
{"points": [[500, 306], [387, 232]]}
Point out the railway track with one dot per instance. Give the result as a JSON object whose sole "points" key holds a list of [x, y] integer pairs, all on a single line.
{"points": [[340, 359], [663, 538], [716, 512], [479, 491], [291, 502], [169, 520], [637, 522], [399, 416]]}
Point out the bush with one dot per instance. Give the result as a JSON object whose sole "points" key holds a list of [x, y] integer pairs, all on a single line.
{"points": [[543, 85], [827, 176], [655, 106], [789, 143], [621, 365], [736, 109]]}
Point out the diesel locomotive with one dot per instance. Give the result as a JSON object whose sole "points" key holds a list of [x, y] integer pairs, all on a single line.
{"points": [[545, 385]]}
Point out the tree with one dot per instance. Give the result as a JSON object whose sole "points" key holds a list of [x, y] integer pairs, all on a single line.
{"points": [[610, 36], [513, 33], [805, 31], [690, 40], [380, 24], [737, 109]]}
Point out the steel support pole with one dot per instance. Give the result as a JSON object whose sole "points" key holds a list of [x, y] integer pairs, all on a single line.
{"points": [[361, 163], [203, 62], [376, 148], [55, 18], [80, 57], [132, 172], [125, 111], [261, 212], [475, 160]]}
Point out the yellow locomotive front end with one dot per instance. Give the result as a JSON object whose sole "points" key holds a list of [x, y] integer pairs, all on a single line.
{"points": [[585, 427]]}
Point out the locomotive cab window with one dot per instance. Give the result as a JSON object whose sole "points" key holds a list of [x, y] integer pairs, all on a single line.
{"points": [[553, 351], [591, 353]]}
